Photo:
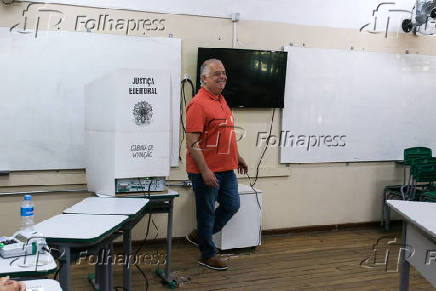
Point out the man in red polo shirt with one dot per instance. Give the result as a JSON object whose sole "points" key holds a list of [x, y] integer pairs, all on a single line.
{"points": [[212, 155]]}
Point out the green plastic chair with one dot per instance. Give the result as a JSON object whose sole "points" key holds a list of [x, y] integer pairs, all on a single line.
{"points": [[418, 175], [423, 178], [412, 157], [428, 197], [413, 154]]}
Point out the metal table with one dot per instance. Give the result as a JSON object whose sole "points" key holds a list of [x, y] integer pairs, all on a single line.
{"points": [[419, 239]]}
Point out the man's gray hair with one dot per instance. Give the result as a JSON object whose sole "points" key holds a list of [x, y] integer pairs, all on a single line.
{"points": [[205, 70]]}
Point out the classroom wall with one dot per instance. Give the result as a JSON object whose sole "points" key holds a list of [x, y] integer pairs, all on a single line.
{"points": [[294, 195], [331, 13]]}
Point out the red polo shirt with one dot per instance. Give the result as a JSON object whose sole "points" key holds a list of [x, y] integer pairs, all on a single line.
{"points": [[210, 116]]}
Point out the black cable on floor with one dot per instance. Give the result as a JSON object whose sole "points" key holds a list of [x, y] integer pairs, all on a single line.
{"points": [[138, 249]]}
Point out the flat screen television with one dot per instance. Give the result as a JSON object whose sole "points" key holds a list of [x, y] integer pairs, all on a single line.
{"points": [[255, 78]]}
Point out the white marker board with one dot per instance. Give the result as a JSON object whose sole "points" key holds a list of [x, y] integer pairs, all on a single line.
{"points": [[42, 91], [345, 106]]}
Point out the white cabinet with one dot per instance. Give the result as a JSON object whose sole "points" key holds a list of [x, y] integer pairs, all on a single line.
{"points": [[244, 228]]}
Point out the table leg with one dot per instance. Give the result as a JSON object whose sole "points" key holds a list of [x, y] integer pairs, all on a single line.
{"points": [[65, 271], [108, 262], [127, 273], [96, 277], [101, 275], [405, 266], [169, 241]]}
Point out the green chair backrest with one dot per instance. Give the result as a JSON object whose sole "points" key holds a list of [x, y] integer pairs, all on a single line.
{"points": [[421, 161], [411, 154], [428, 197], [425, 173]]}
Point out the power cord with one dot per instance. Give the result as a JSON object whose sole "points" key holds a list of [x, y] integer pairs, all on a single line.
{"points": [[58, 257], [264, 151], [148, 193], [149, 188], [143, 244], [252, 183], [58, 270], [252, 187], [183, 105], [137, 251], [155, 237], [258, 205]]}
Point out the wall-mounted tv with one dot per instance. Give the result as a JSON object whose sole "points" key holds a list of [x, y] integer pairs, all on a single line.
{"points": [[255, 78]]}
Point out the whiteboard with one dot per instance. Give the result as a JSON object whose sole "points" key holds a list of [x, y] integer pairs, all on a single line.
{"points": [[378, 103], [42, 91]]}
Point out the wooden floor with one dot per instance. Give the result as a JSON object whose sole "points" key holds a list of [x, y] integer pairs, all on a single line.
{"points": [[330, 260]]}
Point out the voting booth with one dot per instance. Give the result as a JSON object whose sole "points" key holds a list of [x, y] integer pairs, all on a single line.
{"points": [[128, 131]]}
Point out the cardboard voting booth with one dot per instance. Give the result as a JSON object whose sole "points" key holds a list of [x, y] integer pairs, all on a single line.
{"points": [[127, 128]]}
